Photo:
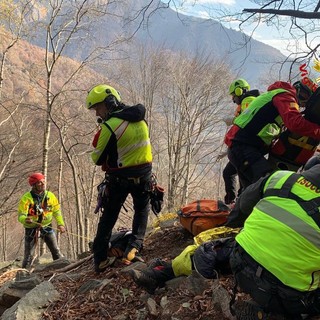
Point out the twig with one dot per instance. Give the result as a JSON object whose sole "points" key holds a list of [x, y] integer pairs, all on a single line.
{"points": [[70, 266]]}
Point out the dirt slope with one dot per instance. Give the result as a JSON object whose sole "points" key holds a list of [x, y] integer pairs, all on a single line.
{"points": [[121, 298]]}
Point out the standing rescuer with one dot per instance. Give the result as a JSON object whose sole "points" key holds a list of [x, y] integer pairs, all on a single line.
{"points": [[241, 95], [254, 130], [123, 150], [36, 210]]}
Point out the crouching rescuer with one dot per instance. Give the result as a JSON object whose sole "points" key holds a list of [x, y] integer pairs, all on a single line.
{"points": [[122, 148], [277, 254]]}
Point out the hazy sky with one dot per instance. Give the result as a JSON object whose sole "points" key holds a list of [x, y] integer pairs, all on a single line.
{"points": [[268, 34], [214, 8]]}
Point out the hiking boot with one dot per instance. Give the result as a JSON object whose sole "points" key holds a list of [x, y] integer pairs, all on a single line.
{"points": [[144, 280], [249, 310], [103, 265]]}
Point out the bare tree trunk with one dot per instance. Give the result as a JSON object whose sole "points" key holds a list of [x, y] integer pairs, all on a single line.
{"points": [[4, 238]]}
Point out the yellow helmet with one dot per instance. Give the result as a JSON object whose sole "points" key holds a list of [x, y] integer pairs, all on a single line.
{"points": [[238, 87], [100, 93]]}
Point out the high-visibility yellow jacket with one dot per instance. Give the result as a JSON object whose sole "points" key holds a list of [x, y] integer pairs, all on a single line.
{"points": [[281, 236], [50, 206], [246, 102], [122, 144]]}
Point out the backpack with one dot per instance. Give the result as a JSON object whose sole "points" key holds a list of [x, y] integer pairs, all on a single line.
{"points": [[201, 215], [291, 151]]}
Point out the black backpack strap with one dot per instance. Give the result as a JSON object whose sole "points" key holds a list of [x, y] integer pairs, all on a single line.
{"points": [[285, 190], [112, 132], [311, 207], [38, 207], [313, 210]]}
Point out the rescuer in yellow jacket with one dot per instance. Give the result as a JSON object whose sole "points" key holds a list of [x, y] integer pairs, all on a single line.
{"points": [[240, 92], [122, 148], [277, 254], [36, 210]]}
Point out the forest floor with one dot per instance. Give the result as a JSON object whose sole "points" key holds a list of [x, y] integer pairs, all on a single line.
{"points": [[121, 298], [117, 297]]}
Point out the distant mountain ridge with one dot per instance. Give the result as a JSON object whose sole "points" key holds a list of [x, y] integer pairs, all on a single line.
{"points": [[165, 28], [211, 37]]}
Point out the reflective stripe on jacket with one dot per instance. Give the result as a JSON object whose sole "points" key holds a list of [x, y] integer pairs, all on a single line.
{"points": [[50, 206], [122, 144], [282, 237]]}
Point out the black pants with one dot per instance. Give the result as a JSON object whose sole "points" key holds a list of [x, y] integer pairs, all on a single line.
{"points": [[118, 190], [230, 183], [30, 241], [269, 292], [250, 163]]}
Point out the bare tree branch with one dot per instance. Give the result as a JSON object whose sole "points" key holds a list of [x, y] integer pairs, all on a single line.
{"points": [[289, 13]]}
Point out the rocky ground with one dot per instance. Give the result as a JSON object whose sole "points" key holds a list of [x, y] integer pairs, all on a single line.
{"points": [[122, 299], [113, 294]]}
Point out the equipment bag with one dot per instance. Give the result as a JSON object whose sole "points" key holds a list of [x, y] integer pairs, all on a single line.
{"points": [[202, 215], [156, 195]]}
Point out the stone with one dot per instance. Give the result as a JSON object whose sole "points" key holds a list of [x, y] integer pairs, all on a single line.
{"points": [[92, 284], [221, 299], [54, 265], [152, 307], [33, 304]]}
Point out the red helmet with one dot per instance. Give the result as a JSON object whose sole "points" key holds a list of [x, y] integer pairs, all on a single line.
{"points": [[35, 177]]}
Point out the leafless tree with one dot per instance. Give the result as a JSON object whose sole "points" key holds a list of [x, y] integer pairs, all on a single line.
{"points": [[298, 24], [65, 24], [15, 123], [185, 101], [192, 109], [79, 185], [297, 21], [13, 25]]}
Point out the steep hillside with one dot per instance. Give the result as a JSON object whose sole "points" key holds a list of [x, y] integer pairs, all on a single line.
{"points": [[23, 108], [114, 295], [247, 57], [152, 24]]}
